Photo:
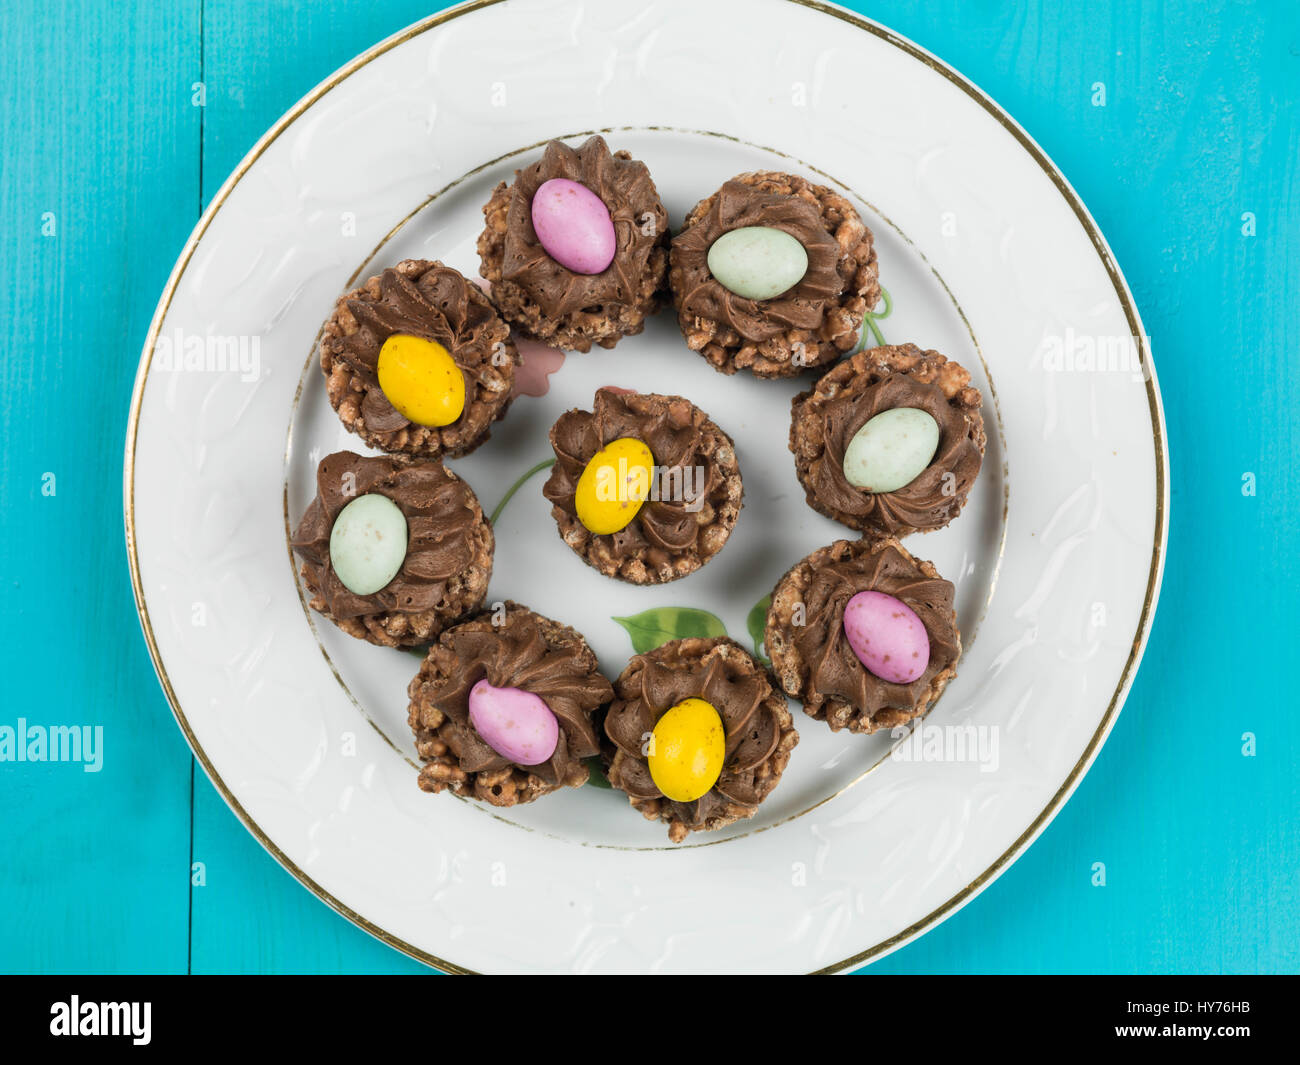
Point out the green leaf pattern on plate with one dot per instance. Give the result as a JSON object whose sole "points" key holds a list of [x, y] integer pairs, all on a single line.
{"points": [[757, 623], [654, 628], [545, 464], [596, 772], [871, 318]]}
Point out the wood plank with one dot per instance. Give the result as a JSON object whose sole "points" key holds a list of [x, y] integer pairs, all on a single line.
{"points": [[100, 147]]}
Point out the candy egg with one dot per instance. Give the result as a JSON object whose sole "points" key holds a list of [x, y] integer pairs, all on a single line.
{"points": [[887, 637], [613, 485], [422, 380], [573, 226], [757, 262], [368, 543], [517, 724], [891, 450], [689, 744]]}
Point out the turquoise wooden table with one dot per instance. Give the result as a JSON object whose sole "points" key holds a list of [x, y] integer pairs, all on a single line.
{"points": [[120, 118]]}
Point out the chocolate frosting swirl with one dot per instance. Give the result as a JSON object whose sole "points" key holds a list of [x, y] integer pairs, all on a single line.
{"points": [[441, 513], [834, 670], [431, 301], [804, 306], [673, 429], [656, 682], [640, 223], [517, 654], [850, 395]]}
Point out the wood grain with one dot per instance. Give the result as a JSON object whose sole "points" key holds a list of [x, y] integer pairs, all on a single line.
{"points": [[98, 136]]}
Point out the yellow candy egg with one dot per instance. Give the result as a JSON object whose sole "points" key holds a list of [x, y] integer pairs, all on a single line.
{"points": [[614, 485], [421, 380], [688, 747]]}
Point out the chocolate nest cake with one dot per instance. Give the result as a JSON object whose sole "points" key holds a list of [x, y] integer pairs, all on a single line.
{"points": [[502, 708], [820, 645], [827, 420], [817, 312], [412, 555], [590, 300], [704, 676], [645, 488], [452, 377]]}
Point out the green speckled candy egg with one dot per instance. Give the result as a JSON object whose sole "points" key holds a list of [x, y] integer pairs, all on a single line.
{"points": [[891, 450], [368, 543], [757, 262]]}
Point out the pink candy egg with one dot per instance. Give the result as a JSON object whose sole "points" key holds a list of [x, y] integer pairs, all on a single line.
{"points": [[574, 227], [887, 636], [518, 725]]}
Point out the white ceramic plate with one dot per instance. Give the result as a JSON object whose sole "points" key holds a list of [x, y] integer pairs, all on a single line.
{"points": [[987, 254]]}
